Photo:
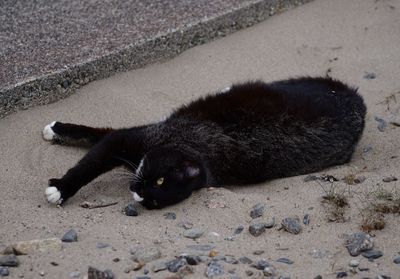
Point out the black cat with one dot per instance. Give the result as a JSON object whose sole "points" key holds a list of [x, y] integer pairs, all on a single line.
{"points": [[247, 134]]}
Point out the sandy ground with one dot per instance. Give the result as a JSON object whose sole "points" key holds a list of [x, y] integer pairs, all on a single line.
{"points": [[346, 38]]}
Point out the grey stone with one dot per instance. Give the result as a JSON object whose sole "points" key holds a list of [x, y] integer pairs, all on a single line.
{"points": [[382, 124], [141, 253], [4, 271], [369, 75], [74, 274], [306, 219], [354, 263], [37, 245], [381, 276], [70, 236], [176, 264], [169, 215], [396, 260], [249, 272], [341, 274], [269, 271], [257, 211], [159, 266], [245, 260], [193, 233], [239, 229], [230, 260], [310, 177], [261, 264], [318, 277], [389, 179], [94, 273], [257, 229], [130, 210], [285, 260], [185, 225], [359, 242], [9, 260], [291, 225], [372, 254], [101, 245], [214, 269], [258, 252], [192, 259], [270, 224]]}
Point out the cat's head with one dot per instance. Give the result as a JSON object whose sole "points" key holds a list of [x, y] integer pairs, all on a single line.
{"points": [[166, 176]]}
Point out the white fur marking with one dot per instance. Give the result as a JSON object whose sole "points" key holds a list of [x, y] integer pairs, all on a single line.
{"points": [[225, 90], [136, 197], [139, 169], [53, 195], [48, 133]]}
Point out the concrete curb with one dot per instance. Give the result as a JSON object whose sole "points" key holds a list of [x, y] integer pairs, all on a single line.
{"points": [[60, 84]]}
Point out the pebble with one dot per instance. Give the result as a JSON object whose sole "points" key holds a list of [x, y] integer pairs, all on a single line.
{"points": [[380, 276], [257, 229], [185, 225], [389, 179], [130, 210], [270, 224], [239, 229], [341, 274], [318, 277], [9, 260], [175, 265], [42, 273], [230, 260], [261, 264], [397, 260], [4, 271], [94, 273], [369, 75], [214, 269], [37, 245], [382, 124], [269, 271], [101, 245], [291, 225], [159, 267], [285, 260], [75, 274], [258, 252], [192, 259], [184, 271], [372, 254], [245, 260], [359, 242], [306, 219], [145, 253], [170, 216], [257, 211], [193, 233], [70, 236], [354, 263], [249, 272]]}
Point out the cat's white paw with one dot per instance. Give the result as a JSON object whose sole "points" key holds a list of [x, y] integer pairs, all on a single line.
{"points": [[53, 195], [48, 133]]}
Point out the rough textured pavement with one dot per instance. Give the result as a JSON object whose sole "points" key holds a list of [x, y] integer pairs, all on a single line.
{"points": [[48, 49], [348, 39]]}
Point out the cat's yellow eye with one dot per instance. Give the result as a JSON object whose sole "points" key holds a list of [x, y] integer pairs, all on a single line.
{"points": [[160, 181]]}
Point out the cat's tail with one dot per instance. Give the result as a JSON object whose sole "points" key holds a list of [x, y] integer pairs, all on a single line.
{"points": [[74, 134]]}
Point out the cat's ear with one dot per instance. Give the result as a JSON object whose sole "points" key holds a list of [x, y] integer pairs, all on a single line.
{"points": [[191, 169]]}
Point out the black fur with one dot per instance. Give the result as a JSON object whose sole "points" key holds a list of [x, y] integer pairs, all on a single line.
{"points": [[254, 132]]}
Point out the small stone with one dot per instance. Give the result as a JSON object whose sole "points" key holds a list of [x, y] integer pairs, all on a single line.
{"points": [[245, 260], [397, 260], [130, 210], [341, 274], [382, 124], [175, 265], [230, 260], [291, 225], [249, 272], [184, 271], [306, 219], [65, 84], [101, 245], [170, 216], [369, 75], [285, 260], [318, 277], [310, 177], [145, 253], [239, 229], [380, 276], [94, 273], [261, 264], [389, 179], [192, 259], [70, 236], [359, 242], [75, 274], [258, 252], [257, 229], [359, 179], [9, 260], [372, 254], [143, 277], [42, 273], [193, 233], [146, 271], [354, 263], [229, 238], [185, 225], [116, 260], [257, 211], [159, 267], [4, 271], [270, 224], [39, 245], [214, 269], [269, 271], [363, 269]]}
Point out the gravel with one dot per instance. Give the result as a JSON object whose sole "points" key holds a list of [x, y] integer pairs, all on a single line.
{"points": [[306, 219], [176, 264], [214, 269], [130, 210], [257, 211], [193, 233], [291, 225], [359, 242], [239, 229], [257, 229], [9, 260], [70, 236]]}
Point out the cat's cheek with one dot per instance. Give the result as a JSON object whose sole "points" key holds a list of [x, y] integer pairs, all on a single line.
{"points": [[53, 195]]}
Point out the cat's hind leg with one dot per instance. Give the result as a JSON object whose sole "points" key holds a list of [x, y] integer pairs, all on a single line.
{"points": [[74, 134]]}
